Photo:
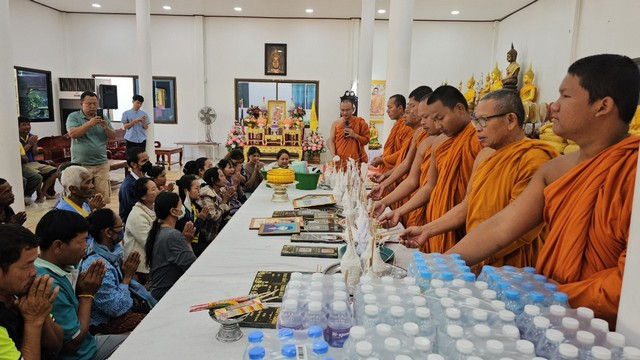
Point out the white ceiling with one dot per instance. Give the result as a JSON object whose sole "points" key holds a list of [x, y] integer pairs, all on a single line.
{"points": [[470, 10]]}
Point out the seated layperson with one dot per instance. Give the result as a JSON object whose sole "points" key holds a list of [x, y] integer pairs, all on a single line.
{"points": [[202, 164], [253, 168], [240, 176], [7, 215], [31, 180], [159, 175], [139, 224], [62, 238], [29, 142], [214, 196], [79, 192], [26, 327], [113, 311], [169, 252], [282, 160], [229, 171], [189, 192]]}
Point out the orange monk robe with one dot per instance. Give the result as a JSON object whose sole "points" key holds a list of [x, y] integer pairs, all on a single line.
{"points": [[349, 147], [400, 135], [588, 211], [498, 181], [422, 136], [418, 216], [454, 161]]}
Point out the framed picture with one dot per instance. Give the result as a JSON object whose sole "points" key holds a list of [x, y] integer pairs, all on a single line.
{"points": [[276, 110], [378, 101], [256, 222], [313, 200], [275, 59], [35, 99], [165, 107], [279, 229]]}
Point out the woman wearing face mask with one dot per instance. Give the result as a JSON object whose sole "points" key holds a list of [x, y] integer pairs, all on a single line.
{"points": [[214, 196], [113, 310], [139, 223], [229, 170], [189, 191], [169, 252]]}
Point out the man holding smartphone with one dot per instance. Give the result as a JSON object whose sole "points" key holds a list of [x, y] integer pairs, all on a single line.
{"points": [[349, 134], [136, 122], [89, 130]]}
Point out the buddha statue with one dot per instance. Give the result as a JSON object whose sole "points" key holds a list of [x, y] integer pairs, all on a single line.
{"points": [[374, 144], [485, 89], [470, 94], [496, 79], [528, 91], [511, 78]]}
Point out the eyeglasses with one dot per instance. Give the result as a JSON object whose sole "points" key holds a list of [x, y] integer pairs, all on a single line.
{"points": [[482, 120]]}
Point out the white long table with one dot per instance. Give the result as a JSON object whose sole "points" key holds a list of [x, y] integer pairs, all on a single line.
{"points": [[226, 269]]}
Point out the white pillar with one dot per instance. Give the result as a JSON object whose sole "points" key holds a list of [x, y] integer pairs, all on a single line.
{"points": [[365, 56], [399, 52], [11, 168], [145, 78]]}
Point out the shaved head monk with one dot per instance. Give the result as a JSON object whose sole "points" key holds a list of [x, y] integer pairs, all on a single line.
{"points": [[400, 134], [349, 134], [452, 159], [586, 196], [497, 179]]}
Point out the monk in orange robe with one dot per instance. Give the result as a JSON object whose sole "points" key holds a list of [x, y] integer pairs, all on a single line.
{"points": [[497, 179], [585, 196], [349, 135], [406, 188], [400, 134], [452, 159]]}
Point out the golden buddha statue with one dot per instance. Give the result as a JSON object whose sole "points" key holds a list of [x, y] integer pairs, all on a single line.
{"points": [[374, 144], [485, 89], [511, 78], [496, 79], [470, 94], [528, 91]]}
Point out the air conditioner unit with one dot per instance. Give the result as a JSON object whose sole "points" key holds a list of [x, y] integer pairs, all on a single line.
{"points": [[72, 88]]}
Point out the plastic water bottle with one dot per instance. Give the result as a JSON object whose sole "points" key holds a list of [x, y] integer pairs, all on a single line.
{"points": [[319, 349], [424, 280], [631, 353], [567, 352], [600, 353], [569, 327], [464, 349], [510, 332], [481, 333], [486, 270], [505, 317], [525, 319], [494, 349], [525, 349], [585, 341], [556, 313], [255, 339], [338, 324], [363, 350], [314, 315], [513, 302], [425, 323], [411, 329], [256, 353], [615, 342], [548, 346], [447, 341], [396, 317], [422, 347], [290, 317], [584, 315], [383, 331], [478, 316], [392, 348], [560, 298], [537, 329], [599, 328], [287, 351], [371, 316], [356, 334], [453, 316]]}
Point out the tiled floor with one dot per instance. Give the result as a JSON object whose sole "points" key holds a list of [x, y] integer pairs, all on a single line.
{"points": [[35, 211]]}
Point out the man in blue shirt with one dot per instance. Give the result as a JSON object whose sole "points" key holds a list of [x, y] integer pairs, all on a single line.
{"points": [[61, 235], [139, 163], [136, 121]]}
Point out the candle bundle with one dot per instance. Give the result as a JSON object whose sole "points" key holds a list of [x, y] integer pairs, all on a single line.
{"points": [[221, 304]]}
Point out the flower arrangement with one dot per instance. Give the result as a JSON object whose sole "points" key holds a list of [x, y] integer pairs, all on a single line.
{"points": [[297, 112], [235, 138], [314, 144], [255, 111]]}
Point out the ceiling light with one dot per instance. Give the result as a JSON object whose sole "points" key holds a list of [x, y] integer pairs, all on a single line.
{"points": [[167, 7], [455, 12], [96, 5], [237, 8], [382, 11], [309, 11]]}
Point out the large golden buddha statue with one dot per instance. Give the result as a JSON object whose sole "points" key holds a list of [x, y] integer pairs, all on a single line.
{"points": [[486, 88], [470, 94], [511, 78], [496, 79], [528, 91]]}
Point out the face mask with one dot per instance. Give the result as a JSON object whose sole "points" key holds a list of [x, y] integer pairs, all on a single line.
{"points": [[146, 167], [178, 216], [120, 235]]}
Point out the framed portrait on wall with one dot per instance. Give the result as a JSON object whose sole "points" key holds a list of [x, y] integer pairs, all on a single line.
{"points": [[165, 109], [378, 102], [34, 94], [275, 59]]}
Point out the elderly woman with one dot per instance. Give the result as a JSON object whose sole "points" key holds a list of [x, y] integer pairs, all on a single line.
{"points": [[215, 196], [78, 192], [169, 252], [139, 223], [113, 310]]}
